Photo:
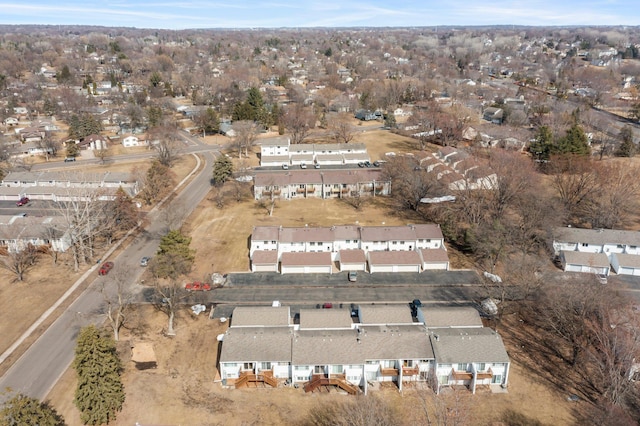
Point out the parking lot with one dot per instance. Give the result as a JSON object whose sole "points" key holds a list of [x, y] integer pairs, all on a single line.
{"points": [[428, 278]]}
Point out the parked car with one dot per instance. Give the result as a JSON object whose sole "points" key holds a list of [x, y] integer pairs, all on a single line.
{"points": [[376, 164], [197, 286], [69, 159], [353, 276], [145, 261], [303, 166], [285, 166], [23, 201], [367, 164], [105, 268], [361, 164], [316, 166], [327, 306]]}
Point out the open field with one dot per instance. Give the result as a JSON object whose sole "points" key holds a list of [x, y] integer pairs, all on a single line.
{"points": [[183, 389], [21, 303], [221, 236]]}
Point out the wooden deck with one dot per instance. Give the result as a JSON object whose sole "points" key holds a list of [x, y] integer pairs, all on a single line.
{"points": [[320, 381], [250, 380]]}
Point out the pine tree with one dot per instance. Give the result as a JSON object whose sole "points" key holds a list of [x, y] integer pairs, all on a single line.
{"points": [[99, 393], [626, 148], [174, 257], [23, 410], [574, 142], [542, 146], [222, 169]]}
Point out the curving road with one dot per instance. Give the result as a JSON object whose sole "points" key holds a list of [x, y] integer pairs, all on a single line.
{"points": [[40, 367]]}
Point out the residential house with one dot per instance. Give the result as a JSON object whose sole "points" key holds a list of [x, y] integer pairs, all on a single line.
{"points": [[378, 344], [493, 115], [597, 250], [131, 141], [382, 249], [469, 357], [319, 183], [18, 232]]}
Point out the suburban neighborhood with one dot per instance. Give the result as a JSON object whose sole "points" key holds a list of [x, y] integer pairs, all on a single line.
{"points": [[318, 226]]}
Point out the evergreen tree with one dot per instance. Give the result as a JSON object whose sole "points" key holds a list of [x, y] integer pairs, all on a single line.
{"points": [[174, 257], [72, 149], [574, 142], [83, 125], [64, 76], [23, 410], [222, 169], [390, 121], [99, 393], [252, 108], [154, 115], [626, 148], [542, 146]]}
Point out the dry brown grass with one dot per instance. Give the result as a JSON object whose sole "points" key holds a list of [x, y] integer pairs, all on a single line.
{"points": [[21, 303]]}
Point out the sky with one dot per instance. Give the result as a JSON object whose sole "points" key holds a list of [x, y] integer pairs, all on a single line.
{"points": [[184, 14]]}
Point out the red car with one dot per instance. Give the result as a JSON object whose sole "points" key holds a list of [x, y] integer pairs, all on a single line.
{"points": [[197, 286], [22, 201], [105, 268]]}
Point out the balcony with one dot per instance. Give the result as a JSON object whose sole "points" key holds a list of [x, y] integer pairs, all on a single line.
{"points": [[248, 379], [410, 371], [339, 380], [386, 372]]}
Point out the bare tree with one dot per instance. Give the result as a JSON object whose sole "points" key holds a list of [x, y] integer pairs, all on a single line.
{"points": [[410, 182], [20, 262], [299, 121], [80, 210], [118, 299], [103, 154], [614, 346], [169, 294], [246, 135], [341, 128], [165, 139], [49, 146], [574, 179]]}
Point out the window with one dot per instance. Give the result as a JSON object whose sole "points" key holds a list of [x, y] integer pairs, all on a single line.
{"points": [[318, 369], [462, 367], [265, 242], [348, 241], [394, 243], [585, 244], [273, 242], [247, 366], [497, 378], [481, 367], [266, 366], [336, 369], [312, 243], [443, 380]]}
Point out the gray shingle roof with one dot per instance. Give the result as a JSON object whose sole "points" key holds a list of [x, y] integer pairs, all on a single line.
{"points": [[325, 318], [464, 345], [436, 317], [385, 314], [257, 316], [596, 236], [597, 260], [256, 344]]}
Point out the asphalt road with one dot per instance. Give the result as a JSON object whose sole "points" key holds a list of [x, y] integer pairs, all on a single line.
{"points": [[39, 368]]}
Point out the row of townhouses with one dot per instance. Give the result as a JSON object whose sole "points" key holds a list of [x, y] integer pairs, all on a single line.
{"points": [[598, 250], [65, 186], [411, 248], [458, 170], [355, 349], [18, 232], [280, 151], [328, 183]]}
